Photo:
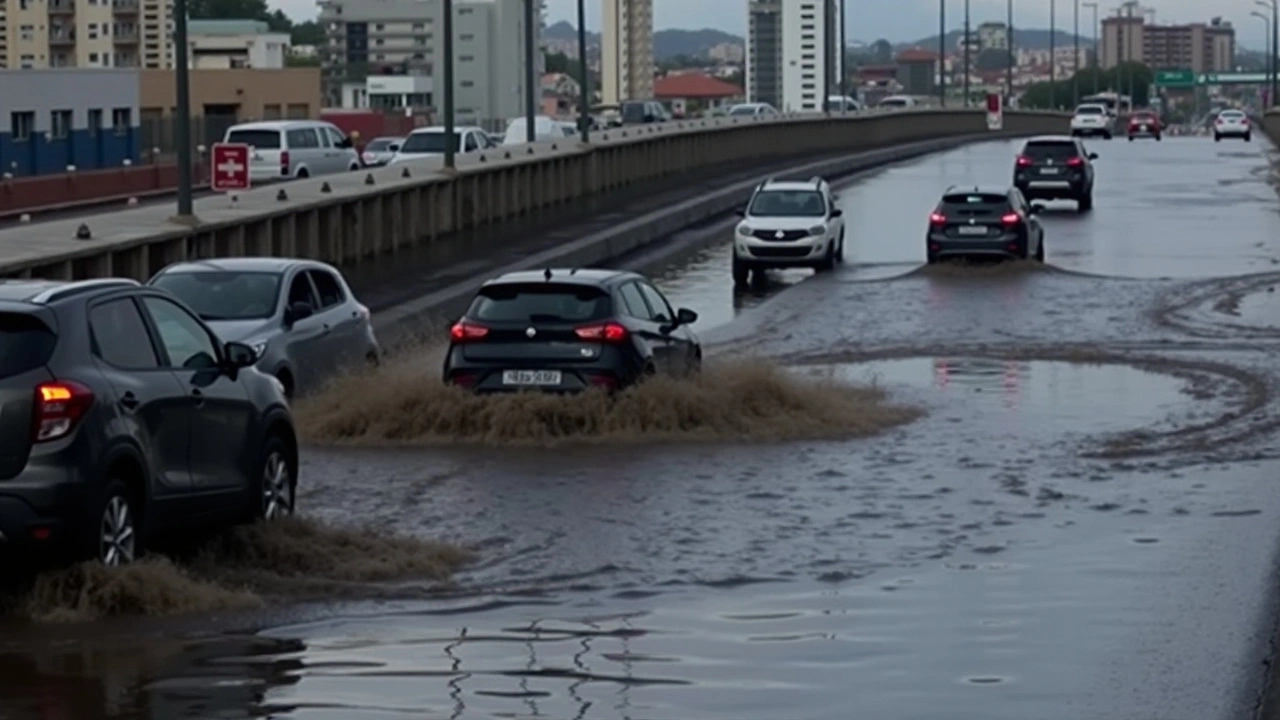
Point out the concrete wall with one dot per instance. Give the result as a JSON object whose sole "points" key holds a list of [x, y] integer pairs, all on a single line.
{"points": [[344, 219], [1271, 125], [256, 94], [104, 120]]}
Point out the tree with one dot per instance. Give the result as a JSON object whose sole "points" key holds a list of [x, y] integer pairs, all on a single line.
{"points": [[307, 33], [992, 59], [1120, 78], [881, 52]]}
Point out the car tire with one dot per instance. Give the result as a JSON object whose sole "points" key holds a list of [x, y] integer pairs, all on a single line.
{"points": [[275, 482], [1158, 137], [840, 248], [1217, 137], [1085, 202], [115, 537], [695, 365], [1039, 256], [1248, 137], [1130, 138], [741, 271], [302, 174], [1106, 136], [828, 262]]}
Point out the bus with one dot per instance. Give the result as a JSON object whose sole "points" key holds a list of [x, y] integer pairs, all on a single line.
{"points": [[1115, 103]]}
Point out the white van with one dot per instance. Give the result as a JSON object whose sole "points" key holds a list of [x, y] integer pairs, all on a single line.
{"points": [[544, 128], [284, 149], [898, 101]]}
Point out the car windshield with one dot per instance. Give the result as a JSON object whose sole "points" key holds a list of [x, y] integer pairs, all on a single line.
{"points": [[633, 112], [261, 139], [977, 200], [25, 344], [429, 142], [743, 110], [893, 102], [1232, 115], [788, 203], [541, 302], [225, 295], [378, 145], [1089, 110], [1051, 149]]}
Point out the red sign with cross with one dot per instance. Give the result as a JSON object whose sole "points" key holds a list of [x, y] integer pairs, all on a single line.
{"points": [[230, 167]]}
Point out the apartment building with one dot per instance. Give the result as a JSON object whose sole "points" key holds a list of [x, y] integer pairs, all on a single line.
{"points": [[626, 51], [366, 38], [993, 36], [1199, 47], [788, 44], [36, 34], [235, 45]]}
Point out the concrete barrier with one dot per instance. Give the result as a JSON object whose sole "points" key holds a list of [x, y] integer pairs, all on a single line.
{"points": [[342, 219], [1271, 125]]}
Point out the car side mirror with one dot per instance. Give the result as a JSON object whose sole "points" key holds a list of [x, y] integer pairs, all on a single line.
{"points": [[238, 355], [345, 143], [685, 316], [1035, 209], [297, 311], [393, 148], [837, 213], [1093, 156]]}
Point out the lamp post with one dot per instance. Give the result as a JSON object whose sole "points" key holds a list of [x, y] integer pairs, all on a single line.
{"points": [[942, 53], [966, 53], [530, 102], [1075, 58], [1053, 54], [1008, 72], [844, 68], [450, 134], [1266, 40], [182, 88], [1271, 56], [584, 83], [1097, 62], [827, 63]]}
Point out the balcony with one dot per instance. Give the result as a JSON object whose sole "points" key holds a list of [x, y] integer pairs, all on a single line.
{"points": [[125, 36], [62, 37], [125, 7], [62, 7]]}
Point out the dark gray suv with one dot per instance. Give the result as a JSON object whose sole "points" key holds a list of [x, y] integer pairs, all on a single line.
{"points": [[123, 418]]}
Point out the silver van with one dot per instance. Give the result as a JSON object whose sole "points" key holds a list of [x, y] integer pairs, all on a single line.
{"points": [[284, 149]]}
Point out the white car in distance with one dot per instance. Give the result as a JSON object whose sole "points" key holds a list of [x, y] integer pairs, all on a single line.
{"points": [[1090, 119], [788, 223]]}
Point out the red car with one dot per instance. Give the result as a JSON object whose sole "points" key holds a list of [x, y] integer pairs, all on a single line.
{"points": [[1144, 124]]}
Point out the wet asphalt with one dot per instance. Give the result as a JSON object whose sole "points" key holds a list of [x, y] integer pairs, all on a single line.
{"points": [[1083, 526]]}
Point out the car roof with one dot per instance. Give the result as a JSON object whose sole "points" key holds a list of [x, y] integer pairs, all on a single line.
{"points": [[1050, 138], [440, 129], [40, 292], [573, 276], [241, 264], [278, 125], [978, 189], [790, 185]]}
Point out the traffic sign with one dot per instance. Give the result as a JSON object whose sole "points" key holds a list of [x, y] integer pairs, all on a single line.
{"points": [[230, 167], [995, 111], [1233, 78], [1176, 78]]}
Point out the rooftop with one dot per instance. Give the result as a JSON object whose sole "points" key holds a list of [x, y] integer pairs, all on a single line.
{"points": [[227, 27], [691, 86]]}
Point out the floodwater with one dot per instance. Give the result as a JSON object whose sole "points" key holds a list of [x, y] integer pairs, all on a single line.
{"points": [[1079, 520]]}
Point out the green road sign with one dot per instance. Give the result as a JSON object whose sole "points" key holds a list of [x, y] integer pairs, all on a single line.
{"points": [[1175, 78], [1233, 78]]}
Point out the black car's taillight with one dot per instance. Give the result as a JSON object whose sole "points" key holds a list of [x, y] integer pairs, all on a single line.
{"points": [[59, 407], [464, 332]]}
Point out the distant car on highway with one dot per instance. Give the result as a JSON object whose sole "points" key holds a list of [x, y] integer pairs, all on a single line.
{"points": [[984, 221], [1055, 167], [1092, 119], [380, 150], [429, 142], [284, 149], [1232, 123], [901, 102], [757, 109], [788, 223], [563, 330], [299, 317], [1145, 123], [126, 418], [544, 128]]}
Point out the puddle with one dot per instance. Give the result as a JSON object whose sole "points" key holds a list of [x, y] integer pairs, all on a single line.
{"points": [[1260, 309], [1015, 396]]}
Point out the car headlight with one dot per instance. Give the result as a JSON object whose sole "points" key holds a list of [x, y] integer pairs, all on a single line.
{"points": [[818, 230], [744, 230]]}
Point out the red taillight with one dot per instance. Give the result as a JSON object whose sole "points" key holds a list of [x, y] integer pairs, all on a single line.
{"points": [[284, 163], [608, 332], [1244, 122], [463, 332], [465, 380], [1011, 219], [1075, 162], [1024, 161], [937, 218], [59, 406]]}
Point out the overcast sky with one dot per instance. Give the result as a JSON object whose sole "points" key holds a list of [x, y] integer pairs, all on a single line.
{"points": [[897, 20]]}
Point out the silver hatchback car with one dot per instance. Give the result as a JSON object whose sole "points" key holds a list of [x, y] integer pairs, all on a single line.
{"points": [[299, 316]]}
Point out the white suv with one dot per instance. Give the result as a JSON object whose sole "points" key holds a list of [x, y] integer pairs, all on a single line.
{"points": [[788, 224], [1092, 119]]}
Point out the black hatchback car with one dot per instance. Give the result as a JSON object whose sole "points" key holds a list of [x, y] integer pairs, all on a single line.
{"points": [[123, 417], [569, 331], [1056, 167], [984, 221]]}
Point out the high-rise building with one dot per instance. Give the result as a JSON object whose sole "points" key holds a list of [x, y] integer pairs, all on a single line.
{"points": [[366, 38], [626, 51], [97, 33], [993, 36], [1198, 47], [793, 53]]}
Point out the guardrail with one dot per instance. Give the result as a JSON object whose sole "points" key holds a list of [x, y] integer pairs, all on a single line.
{"points": [[342, 219]]}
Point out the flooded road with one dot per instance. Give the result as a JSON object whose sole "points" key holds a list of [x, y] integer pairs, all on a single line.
{"points": [[1082, 523]]}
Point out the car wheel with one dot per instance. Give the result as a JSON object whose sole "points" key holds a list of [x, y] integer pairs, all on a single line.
{"points": [[303, 174], [828, 261], [1106, 136], [1085, 202], [1248, 138], [695, 365], [1158, 138], [1217, 137], [373, 360], [117, 538], [276, 487], [840, 248], [1039, 256], [353, 168], [741, 271]]}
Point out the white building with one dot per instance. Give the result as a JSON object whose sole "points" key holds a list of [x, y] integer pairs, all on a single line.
{"points": [[93, 34], [401, 37], [235, 44], [806, 28], [993, 36], [626, 51]]}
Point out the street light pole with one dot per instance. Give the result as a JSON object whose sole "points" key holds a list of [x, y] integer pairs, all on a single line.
{"points": [[844, 68], [584, 84], [1053, 54], [1008, 72], [942, 53], [450, 134], [182, 87], [1097, 62], [1266, 43], [966, 53], [827, 63], [1075, 58], [530, 102]]}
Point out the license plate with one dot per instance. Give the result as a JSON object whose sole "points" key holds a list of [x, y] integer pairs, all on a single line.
{"points": [[531, 377], [1144, 127], [972, 229], [1050, 171]]}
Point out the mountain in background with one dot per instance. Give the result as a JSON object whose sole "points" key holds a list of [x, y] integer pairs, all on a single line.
{"points": [[666, 43], [1028, 39]]}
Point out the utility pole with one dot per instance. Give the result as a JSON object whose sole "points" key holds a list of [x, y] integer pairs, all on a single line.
{"points": [[182, 87], [827, 60], [1097, 61], [966, 53], [584, 85], [1053, 54], [844, 68], [530, 101], [942, 52], [1008, 73], [450, 134], [1075, 59], [1266, 43]]}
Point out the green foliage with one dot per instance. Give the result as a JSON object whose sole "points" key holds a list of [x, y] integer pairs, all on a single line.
{"points": [[307, 33], [1062, 93]]}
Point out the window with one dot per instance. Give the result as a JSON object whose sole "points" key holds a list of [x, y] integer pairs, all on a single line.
{"points": [[27, 62], [95, 122], [466, 58], [60, 127], [329, 288], [271, 111], [466, 36], [299, 110], [120, 337], [541, 302], [661, 309], [261, 139], [467, 83], [27, 32], [303, 138], [122, 120], [225, 295], [301, 291], [431, 141], [185, 340], [25, 344], [471, 144], [633, 301], [335, 137], [23, 124], [788, 203]]}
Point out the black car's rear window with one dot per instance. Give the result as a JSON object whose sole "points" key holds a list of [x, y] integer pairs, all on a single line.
{"points": [[1050, 149], [261, 139], [25, 344], [974, 199], [540, 302]]}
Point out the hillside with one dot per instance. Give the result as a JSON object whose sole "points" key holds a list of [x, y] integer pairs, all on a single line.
{"points": [[1029, 39], [666, 43]]}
